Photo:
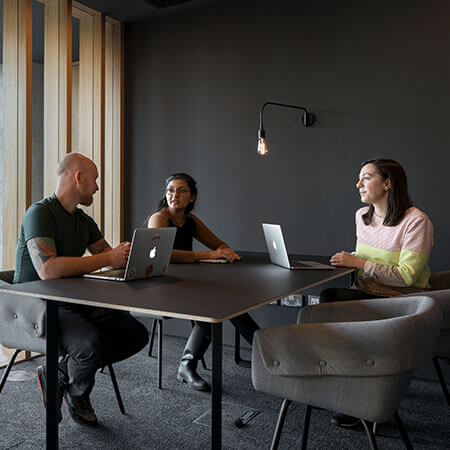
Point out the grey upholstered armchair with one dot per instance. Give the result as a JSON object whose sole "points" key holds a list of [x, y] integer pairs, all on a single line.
{"points": [[23, 326], [354, 357]]}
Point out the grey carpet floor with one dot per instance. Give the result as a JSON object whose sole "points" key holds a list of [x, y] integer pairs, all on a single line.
{"points": [[164, 419]]}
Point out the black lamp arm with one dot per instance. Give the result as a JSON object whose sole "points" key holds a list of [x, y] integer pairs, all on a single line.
{"points": [[308, 118]]}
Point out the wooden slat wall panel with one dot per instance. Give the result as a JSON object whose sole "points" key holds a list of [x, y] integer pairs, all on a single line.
{"points": [[90, 97], [99, 114], [75, 104], [16, 164], [57, 87], [114, 153], [17, 121], [101, 110], [108, 179]]}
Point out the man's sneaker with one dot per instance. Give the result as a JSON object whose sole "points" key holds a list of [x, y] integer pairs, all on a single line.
{"points": [[344, 420], [41, 375], [80, 409]]}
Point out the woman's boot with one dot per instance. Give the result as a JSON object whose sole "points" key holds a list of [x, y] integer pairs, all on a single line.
{"points": [[196, 347]]}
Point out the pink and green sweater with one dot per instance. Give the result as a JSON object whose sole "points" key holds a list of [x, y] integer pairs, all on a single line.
{"points": [[396, 257]]}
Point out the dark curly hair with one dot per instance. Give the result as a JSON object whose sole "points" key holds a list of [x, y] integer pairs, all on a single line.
{"points": [[192, 187]]}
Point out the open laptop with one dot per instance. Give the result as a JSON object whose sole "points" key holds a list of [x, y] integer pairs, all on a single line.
{"points": [[149, 256], [278, 253]]}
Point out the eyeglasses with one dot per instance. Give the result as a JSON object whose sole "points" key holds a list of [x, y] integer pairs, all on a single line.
{"points": [[179, 191]]}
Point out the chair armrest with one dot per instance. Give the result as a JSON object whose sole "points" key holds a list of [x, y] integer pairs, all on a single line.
{"points": [[440, 280]]}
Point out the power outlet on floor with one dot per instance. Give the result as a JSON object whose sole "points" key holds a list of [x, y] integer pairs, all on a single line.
{"points": [[313, 299]]}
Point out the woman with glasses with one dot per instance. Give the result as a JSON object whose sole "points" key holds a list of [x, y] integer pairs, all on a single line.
{"points": [[174, 210], [393, 243]]}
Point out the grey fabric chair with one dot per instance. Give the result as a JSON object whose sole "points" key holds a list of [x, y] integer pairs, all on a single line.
{"points": [[22, 328], [440, 291], [354, 357]]}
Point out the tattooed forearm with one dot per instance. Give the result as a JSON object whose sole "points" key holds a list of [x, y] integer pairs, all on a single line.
{"points": [[41, 250], [99, 247]]}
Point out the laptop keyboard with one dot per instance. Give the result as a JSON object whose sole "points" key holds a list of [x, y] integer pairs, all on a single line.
{"points": [[113, 273], [299, 264]]}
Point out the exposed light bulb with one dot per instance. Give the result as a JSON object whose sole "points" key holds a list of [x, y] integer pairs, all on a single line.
{"points": [[262, 147]]}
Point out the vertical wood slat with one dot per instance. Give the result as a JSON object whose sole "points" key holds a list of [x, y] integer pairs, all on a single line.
{"points": [[108, 180], [57, 87], [17, 121], [118, 169], [99, 113], [75, 113], [114, 152], [90, 97]]}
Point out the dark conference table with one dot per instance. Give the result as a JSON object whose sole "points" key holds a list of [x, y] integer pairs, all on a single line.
{"points": [[205, 292]]}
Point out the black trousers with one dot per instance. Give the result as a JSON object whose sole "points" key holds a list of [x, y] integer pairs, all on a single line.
{"points": [[342, 294], [91, 338]]}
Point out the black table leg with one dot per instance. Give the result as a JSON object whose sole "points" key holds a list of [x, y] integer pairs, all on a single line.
{"points": [[216, 398], [52, 345]]}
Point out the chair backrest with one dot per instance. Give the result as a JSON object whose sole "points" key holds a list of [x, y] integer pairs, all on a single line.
{"points": [[413, 319], [355, 357], [22, 319]]}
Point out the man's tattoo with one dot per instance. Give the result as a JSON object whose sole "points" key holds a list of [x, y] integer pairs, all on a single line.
{"points": [[41, 250], [98, 247]]}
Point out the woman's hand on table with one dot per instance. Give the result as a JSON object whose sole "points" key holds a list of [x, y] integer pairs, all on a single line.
{"points": [[225, 253], [345, 259]]}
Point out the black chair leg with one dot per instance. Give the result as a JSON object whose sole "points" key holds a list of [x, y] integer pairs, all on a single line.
{"points": [[368, 426], [116, 388], [8, 369], [402, 431], [306, 427], [280, 423], [160, 338], [202, 358], [441, 379], [152, 338], [237, 351]]}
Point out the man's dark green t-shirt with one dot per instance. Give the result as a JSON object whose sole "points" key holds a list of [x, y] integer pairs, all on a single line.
{"points": [[72, 234]]}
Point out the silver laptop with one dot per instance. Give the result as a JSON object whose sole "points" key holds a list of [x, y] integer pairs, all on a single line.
{"points": [[149, 256], [278, 253]]}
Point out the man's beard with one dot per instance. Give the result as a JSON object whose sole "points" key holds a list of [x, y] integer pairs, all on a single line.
{"points": [[87, 201]]}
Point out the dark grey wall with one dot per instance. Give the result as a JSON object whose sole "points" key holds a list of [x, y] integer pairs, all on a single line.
{"points": [[376, 74]]}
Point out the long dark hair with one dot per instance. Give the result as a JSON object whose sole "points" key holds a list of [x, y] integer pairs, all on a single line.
{"points": [[398, 198], [192, 187]]}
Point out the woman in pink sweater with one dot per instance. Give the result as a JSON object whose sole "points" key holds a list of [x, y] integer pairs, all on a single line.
{"points": [[393, 242]]}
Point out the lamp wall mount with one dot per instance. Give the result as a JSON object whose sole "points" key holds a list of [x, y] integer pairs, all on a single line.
{"points": [[307, 119]]}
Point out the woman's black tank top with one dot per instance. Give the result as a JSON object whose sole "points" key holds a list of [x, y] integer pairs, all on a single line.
{"points": [[184, 235]]}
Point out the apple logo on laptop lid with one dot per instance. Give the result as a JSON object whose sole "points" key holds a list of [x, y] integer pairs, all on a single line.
{"points": [[274, 244], [155, 241]]}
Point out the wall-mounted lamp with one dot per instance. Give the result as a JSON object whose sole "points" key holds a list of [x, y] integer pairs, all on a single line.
{"points": [[307, 119]]}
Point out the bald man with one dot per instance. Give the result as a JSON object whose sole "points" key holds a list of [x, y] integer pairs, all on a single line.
{"points": [[54, 236]]}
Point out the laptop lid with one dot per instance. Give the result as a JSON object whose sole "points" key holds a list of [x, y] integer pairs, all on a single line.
{"points": [[275, 245], [149, 256]]}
